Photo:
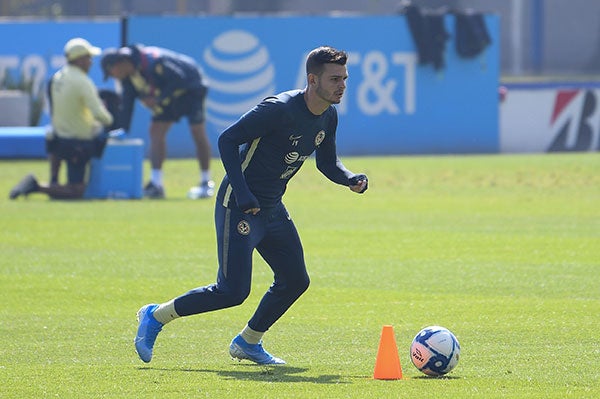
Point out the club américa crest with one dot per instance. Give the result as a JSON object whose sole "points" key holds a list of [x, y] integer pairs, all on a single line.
{"points": [[243, 227], [319, 138]]}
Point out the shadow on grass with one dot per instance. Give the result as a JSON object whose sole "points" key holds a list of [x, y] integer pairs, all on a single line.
{"points": [[250, 372], [433, 377]]}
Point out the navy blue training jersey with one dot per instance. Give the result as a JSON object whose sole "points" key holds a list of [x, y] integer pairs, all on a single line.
{"points": [[276, 137], [160, 73]]}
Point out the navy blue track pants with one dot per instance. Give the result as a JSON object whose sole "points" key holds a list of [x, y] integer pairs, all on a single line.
{"points": [[273, 234]]}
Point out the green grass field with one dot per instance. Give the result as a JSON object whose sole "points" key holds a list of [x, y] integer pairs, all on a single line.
{"points": [[502, 250]]}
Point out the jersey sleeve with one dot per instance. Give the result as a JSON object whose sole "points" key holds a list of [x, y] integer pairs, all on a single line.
{"points": [[94, 103], [253, 125], [327, 160]]}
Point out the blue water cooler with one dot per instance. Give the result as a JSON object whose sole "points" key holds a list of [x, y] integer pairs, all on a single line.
{"points": [[118, 174]]}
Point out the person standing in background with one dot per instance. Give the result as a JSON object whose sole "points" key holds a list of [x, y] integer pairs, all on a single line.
{"points": [[171, 86]]}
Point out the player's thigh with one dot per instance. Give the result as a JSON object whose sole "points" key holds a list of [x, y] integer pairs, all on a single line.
{"points": [[77, 154], [194, 106], [237, 236], [282, 249]]}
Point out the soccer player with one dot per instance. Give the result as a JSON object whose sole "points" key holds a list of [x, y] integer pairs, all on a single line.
{"points": [[78, 114], [171, 86], [276, 137]]}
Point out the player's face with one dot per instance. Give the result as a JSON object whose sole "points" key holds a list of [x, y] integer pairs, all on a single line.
{"points": [[119, 71], [84, 62], [331, 84]]}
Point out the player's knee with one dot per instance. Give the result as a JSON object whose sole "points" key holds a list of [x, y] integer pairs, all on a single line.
{"points": [[298, 285], [235, 297], [235, 300], [303, 283]]}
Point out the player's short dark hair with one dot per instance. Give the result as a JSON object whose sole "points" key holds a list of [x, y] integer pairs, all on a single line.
{"points": [[320, 56], [112, 56]]}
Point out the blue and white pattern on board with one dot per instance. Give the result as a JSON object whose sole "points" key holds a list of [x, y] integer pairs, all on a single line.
{"points": [[240, 74]]}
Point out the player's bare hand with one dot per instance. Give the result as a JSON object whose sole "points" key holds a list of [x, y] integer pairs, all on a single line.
{"points": [[253, 211], [359, 183], [360, 187]]}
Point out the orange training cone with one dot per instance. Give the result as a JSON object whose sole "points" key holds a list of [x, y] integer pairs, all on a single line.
{"points": [[387, 365]]}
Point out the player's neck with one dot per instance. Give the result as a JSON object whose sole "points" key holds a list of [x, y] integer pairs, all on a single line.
{"points": [[314, 103]]}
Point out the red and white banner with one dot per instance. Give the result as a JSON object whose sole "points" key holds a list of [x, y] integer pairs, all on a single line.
{"points": [[550, 120]]}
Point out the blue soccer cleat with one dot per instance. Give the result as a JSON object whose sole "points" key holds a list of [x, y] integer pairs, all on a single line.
{"points": [[147, 332], [240, 349]]}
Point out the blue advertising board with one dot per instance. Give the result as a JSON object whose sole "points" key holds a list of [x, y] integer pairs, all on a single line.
{"points": [[392, 104]]}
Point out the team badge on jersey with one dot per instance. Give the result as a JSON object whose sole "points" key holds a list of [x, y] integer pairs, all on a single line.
{"points": [[243, 227], [319, 138]]}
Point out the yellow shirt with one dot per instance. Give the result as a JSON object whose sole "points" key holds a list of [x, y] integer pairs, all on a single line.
{"points": [[77, 110]]}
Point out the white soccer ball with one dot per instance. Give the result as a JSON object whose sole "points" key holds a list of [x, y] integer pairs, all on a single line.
{"points": [[435, 351]]}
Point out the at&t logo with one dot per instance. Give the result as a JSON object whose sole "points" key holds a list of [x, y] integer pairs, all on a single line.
{"points": [[240, 74]]}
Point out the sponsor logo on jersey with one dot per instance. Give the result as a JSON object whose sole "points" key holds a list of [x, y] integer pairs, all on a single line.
{"points": [[288, 172], [291, 157]]}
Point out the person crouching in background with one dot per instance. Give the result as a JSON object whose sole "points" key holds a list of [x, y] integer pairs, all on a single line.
{"points": [[77, 114]]}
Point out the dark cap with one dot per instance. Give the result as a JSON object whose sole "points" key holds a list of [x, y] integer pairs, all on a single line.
{"points": [[112, 56]]}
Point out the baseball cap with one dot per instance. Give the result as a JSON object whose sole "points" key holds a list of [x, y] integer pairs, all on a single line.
{"points": [[79, 47]]}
